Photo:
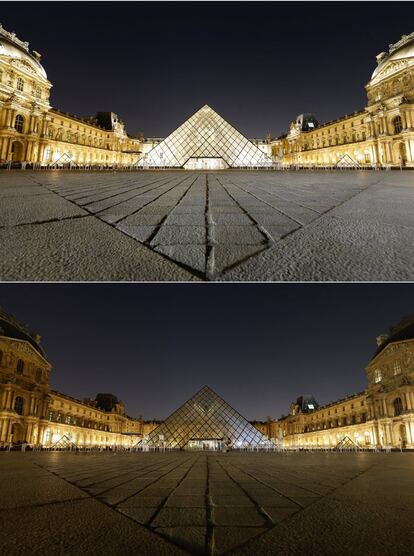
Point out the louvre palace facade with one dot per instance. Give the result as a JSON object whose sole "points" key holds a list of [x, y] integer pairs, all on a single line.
{"points": [[31, 412], [34, 133]]}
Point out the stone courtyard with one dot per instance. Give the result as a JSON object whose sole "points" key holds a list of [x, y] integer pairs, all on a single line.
{"points": [[233, 225], [206, 503]]}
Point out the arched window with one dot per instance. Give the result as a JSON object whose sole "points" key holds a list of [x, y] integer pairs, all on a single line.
{"points": [[20, 366], [397, 123], [19, 123], [398, 407], [38, 375], [18, 405], [20, 84]]}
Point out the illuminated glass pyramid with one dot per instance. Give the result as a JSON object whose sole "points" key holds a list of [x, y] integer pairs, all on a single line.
{"points": [[205, 137], [206, 417]]}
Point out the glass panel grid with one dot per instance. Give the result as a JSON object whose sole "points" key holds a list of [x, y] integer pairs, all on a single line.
{"points": [[207, 416], [205, 135]]}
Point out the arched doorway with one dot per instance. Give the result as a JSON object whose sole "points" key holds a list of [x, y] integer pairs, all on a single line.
{"points": [[16, 151], [17, 433], [402, 154], [403, 436]]}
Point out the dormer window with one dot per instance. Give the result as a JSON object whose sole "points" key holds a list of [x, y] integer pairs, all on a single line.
{"points": [[397, 368], [377, 375], [20, 84]]}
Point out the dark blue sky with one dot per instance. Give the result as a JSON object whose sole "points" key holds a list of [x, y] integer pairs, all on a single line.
{"points": [[259, 346], [259, 64]]}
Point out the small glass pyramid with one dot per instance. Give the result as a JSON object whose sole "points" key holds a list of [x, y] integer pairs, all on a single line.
{"points": [[346, 443], [205, 136], [206, 417]]}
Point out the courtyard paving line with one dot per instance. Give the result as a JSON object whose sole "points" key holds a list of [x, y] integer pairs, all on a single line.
{"points": [[267, 519], [112, 476], [152, 468], [129, 497], [99, 207], [249, 187], [111, 191], [300, 194], [164, 470], [277, 208], [290, 499], [169, 186]]}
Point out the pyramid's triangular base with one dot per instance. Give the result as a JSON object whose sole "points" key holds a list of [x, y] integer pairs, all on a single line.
{"points": [[346, 444], [64, 443], [205, 136], [347, 161], [208, 422]]}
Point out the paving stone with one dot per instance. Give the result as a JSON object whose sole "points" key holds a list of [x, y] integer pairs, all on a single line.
{"points": [[311, 226], [227, 538], [182, 219], [237, 235], [175, 517], [238, 516], [141, 233], [193, 256], [191, 538], [181, 235], [186, 501], [230, 500], [141, 515]]}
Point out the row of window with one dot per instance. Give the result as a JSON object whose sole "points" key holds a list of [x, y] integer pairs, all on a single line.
{"points": [[21, 86], [378, 375], [20, 368], [76, 421]]}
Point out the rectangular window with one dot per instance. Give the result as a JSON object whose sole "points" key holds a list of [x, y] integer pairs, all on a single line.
{"points": [[377, 375]]}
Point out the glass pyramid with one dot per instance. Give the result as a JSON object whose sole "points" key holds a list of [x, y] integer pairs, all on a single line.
{"points": [[346, 443], [206, 417], [205, 136]]}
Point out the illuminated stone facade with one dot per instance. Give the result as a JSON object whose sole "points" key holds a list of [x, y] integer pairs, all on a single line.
{"points": [[381, 416], [31, 412], [32, 132], [381, 135]]}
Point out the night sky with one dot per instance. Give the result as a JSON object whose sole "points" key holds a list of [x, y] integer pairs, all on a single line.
{"points": [[259, 346], [259, 64]]}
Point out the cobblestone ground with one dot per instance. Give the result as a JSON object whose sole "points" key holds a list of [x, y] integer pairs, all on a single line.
{"points": [[232, 225], [208, 504]]}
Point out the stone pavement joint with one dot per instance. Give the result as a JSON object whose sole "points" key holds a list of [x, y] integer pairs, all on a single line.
{"points": [[207, 503], [234, 225]]}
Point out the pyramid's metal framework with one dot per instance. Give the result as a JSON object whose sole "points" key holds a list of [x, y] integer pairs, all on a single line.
{"points": [[206, 416], [205, 135]]}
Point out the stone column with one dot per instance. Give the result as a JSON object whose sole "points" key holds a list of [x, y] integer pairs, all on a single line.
{"points": [[5, 430], [9, 399], [28, 435], [5, 148]]}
